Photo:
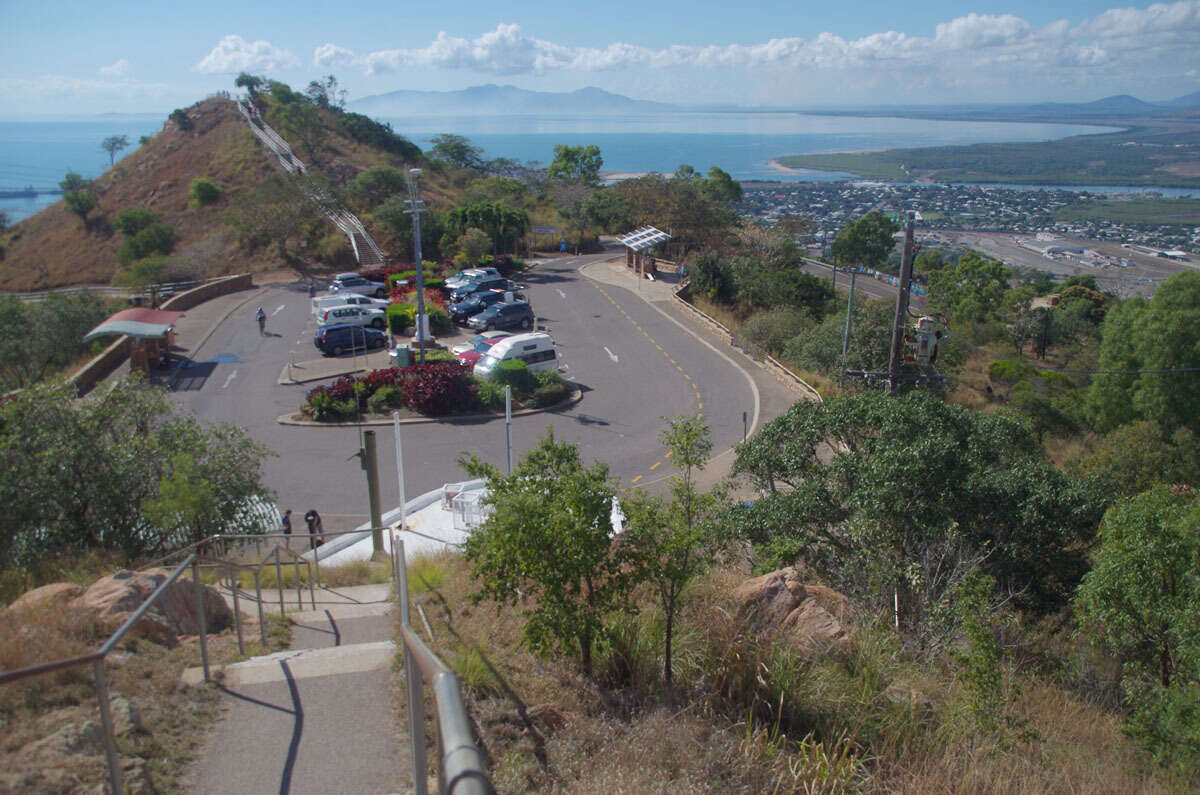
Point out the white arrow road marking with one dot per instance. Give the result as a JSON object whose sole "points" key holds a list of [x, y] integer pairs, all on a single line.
{"points": [[229, 378], [278, 310], [612, 356], [561, 294]]}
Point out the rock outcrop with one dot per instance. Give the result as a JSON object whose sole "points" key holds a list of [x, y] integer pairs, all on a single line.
{"points": [[115, 597], [807, 616]]}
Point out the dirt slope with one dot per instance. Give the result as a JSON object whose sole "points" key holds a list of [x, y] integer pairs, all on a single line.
{"points": [[54, 249]]}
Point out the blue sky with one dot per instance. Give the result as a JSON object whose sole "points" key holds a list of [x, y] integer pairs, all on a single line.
{"points": [[71, 57]]}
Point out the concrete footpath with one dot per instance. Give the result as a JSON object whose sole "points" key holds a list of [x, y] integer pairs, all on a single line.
{"points": [[322, 717]]}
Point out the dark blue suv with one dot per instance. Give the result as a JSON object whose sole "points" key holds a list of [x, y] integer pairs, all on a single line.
{"points": [[510, 314], [341, 337], [474, 304]]}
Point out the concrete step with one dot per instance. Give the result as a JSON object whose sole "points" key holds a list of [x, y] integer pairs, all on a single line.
{"points": [[302, 664], [319, 631], [378, 596]]}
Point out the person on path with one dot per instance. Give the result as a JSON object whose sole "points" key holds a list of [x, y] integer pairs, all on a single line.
{"points": [[315, 529], [261, 317], [287, 527]]}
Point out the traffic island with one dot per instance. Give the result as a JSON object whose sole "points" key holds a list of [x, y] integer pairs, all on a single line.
{"points": [[409, 417]]}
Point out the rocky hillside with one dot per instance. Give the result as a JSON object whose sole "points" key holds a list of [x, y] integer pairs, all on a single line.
{"points": [[55, 248]]}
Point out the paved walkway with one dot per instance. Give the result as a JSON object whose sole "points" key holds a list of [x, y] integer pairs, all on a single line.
{"points": [[319, 718]]}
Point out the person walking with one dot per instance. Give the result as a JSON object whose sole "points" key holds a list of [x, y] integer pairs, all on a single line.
{"points": [[287, 527], [315, 529], [261, 317]]}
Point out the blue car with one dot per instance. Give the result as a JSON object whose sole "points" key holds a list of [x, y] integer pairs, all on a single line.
{"points": [[474, 304], [509, 314], [342, 337]]}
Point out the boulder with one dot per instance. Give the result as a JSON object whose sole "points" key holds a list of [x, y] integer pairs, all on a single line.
{"points": [[807, 616], [54, 595], [122, 593]]}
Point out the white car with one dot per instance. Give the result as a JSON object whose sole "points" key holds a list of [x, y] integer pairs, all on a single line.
{"points": [[457, 280], [359, 315], [353, 283], [323, 302], [470, 344]]}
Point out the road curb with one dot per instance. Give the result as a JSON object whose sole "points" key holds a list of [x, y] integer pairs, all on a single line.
{"points": [[212, 330], [290, 419]]}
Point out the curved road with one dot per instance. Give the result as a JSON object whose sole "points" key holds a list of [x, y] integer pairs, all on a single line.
{"points": [[634, 364]]}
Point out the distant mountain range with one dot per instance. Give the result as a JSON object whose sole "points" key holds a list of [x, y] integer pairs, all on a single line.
{"points": [[492, 100]]}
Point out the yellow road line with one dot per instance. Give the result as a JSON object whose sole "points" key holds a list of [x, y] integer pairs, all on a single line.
{"points": [[655, 466], [668, 455], [635, 480]]}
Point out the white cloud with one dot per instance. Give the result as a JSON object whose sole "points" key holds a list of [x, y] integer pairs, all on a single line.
{"points": [[235, 54], [333, 55], [971, 50], [119, 69]]}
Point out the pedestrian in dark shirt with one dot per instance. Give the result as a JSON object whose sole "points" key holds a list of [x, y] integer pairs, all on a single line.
{"points": [[315, 530], [287, 527]]}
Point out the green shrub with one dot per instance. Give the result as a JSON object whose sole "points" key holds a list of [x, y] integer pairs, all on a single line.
{"points": [[434, 283], [135, 219], [771, 330], [386, 397], [1009, 373], [550, 394], [204, 192], [154, 239], [548, 377], [400, 317], [439, 355], [439, 319], [491, 394], [181, 119], [515, 373]]}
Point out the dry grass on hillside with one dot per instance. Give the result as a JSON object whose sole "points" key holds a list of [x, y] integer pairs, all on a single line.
{"points": [[879, 720], [47, 745]]}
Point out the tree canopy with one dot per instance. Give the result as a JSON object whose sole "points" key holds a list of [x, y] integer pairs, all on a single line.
{"points": [[899, 493], [546, 545], [580, 164], [867, 241]]}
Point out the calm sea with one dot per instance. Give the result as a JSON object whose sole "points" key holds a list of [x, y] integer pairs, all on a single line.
{"points": [[40, 153]]}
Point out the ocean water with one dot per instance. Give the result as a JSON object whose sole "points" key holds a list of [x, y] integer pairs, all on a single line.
{"points": [[38, 154]]}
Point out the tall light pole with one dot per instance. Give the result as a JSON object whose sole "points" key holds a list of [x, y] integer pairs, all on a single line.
{"points": [[416, 208]]}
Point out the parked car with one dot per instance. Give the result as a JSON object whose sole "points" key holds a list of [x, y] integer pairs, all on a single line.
{"points": [[353, 283], [358, 315], [470, 274], [475, 303], [468, 358], [336, 340], [470, 344], [323, 302], [509, 314], [466, 289], [537, 350]]}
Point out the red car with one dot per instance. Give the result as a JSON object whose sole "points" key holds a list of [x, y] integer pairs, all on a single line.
{"points": [[468, 358]]}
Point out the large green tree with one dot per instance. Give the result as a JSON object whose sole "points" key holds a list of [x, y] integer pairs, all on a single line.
{"points": [[114, 144], [546, 545], [78, 195], [580, 164], [80, 474], [456, 150], [882, 494], [1141, 603], [39, 339], [866, 241], [972, 291], [1162, 334]]}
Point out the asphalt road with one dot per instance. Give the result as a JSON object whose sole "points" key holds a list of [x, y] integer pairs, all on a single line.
{"points": [[634, 365]]}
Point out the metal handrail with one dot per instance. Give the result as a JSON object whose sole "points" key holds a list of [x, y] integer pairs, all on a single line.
{"points": [[462, 769]]}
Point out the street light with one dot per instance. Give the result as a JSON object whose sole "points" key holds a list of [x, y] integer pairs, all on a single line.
{"points": [[416, 208]]}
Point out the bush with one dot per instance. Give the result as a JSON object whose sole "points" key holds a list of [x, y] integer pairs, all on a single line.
{"points": [[205, 192], [1009, 373], [515, 373], [366, 130], [491, 394], [550, 394], [401, 317], [440, 355], [441, 388], [154, 239], [548, 377], [182, 120], [135, 219], [392, 278], [771, 330], [434, 284], [385, 397]]}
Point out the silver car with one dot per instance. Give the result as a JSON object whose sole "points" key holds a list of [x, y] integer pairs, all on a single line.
{"points": [[353, 283]]}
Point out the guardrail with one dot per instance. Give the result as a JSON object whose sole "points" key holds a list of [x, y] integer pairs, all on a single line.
{"points": [[148, 292], [462, 769]]}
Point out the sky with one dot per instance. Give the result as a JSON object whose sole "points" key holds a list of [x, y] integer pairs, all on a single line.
{"points": [[69, 57]]}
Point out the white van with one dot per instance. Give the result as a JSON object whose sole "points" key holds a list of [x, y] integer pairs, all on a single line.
{"points": [[535, 349], [321, 303]]}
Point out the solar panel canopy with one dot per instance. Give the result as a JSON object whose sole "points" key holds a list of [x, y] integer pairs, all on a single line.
{"points": [[644, 238]]}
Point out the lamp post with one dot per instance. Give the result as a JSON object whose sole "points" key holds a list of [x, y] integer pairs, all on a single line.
{"points": [[415, 207]]}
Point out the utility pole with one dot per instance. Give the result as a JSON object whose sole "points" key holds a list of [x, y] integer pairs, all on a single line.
{"points": [[371, 465], [906, 265], [415, 207]]}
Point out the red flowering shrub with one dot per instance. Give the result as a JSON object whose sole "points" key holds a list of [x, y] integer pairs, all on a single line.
{"points": [[440, 388]]}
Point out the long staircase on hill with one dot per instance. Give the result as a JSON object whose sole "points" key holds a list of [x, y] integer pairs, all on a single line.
{"points": [[366, 251]]}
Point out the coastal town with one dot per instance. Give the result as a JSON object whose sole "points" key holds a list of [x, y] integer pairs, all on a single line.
{"points": [[974, 208]]}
